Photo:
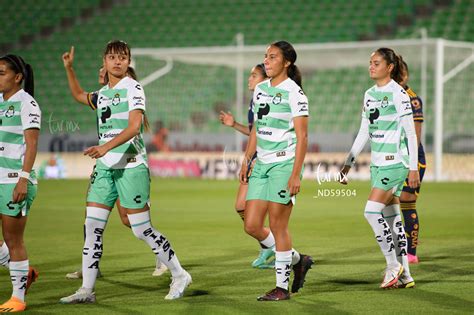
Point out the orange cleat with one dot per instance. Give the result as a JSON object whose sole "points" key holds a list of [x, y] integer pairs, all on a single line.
{"points": [[13, 305]]}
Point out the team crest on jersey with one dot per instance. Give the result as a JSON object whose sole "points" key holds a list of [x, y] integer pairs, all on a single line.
{"points": [[116, 99], [10, 112], [384, 102], [276, 99]]}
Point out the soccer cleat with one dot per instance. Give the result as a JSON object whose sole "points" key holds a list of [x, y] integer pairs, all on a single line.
{"points": [[32, 276], [263, 257], [268, 265], [13, 305], [78, 275], [159, 271], [300, 269], [178, 285], [82, 296], [413, 259], [405, 282], [277, 294], [392, 273]]}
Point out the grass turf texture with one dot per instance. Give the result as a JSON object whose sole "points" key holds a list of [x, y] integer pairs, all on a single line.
{"points": [[206, 233]]}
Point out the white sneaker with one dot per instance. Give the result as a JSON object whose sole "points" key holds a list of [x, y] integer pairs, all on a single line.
{"points": [[78, 275], [74, 275], [405, 281], [160, 269], [178, 285], [82, 295], [392, 273]]}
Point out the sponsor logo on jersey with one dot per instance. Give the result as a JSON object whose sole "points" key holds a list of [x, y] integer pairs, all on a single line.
{"points": [[376, 136], [276, 99], [108, 135], [33, 115], [139, 101], [281, 153], [373, 114], [415, 102], [263, 110], [12, 175], [265, 132], [260, 94], [389, 157], [304, 106], [131, 160], [34, 121], [2, 148], [102, 127]]}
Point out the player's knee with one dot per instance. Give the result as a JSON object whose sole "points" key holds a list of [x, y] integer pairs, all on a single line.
{"points": [[251, 228]]}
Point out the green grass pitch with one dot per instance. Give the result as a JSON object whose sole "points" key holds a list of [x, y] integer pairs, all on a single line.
{"points": [[206, 233]]}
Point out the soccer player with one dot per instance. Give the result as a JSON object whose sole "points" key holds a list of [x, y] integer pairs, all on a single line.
{"points": [[409, 195], [90, 99], [20, 122], [121, 171], [267, 246], [280, 140], [387, 119]]}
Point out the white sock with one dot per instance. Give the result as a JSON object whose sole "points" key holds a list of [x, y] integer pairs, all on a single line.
{"points": [[4, 255], [142, 229], [392, 216], [383, 235], [96, 219], [283, 268], [269, 241], [19, 276], [295, 257]]}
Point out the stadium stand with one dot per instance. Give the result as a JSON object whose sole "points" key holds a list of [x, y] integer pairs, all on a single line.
{"points": [[45, 29]]}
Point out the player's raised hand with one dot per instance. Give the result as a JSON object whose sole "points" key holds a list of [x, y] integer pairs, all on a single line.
{"points": [[227, 118], [68, 58]]}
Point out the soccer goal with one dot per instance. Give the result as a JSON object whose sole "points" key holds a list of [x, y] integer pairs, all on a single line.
{"points": [[187, 87]]}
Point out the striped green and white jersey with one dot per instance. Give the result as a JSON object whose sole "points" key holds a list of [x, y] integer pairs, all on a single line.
{"points": [[274, 110], [382, 110], [19, 113], [113, 108]]}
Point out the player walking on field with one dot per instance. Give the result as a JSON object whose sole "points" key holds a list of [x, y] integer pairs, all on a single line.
{"points": [[387, 119], [267, 246], [410, 195], [20, 123], [280, 139], [121, 171], [90, 99]]}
